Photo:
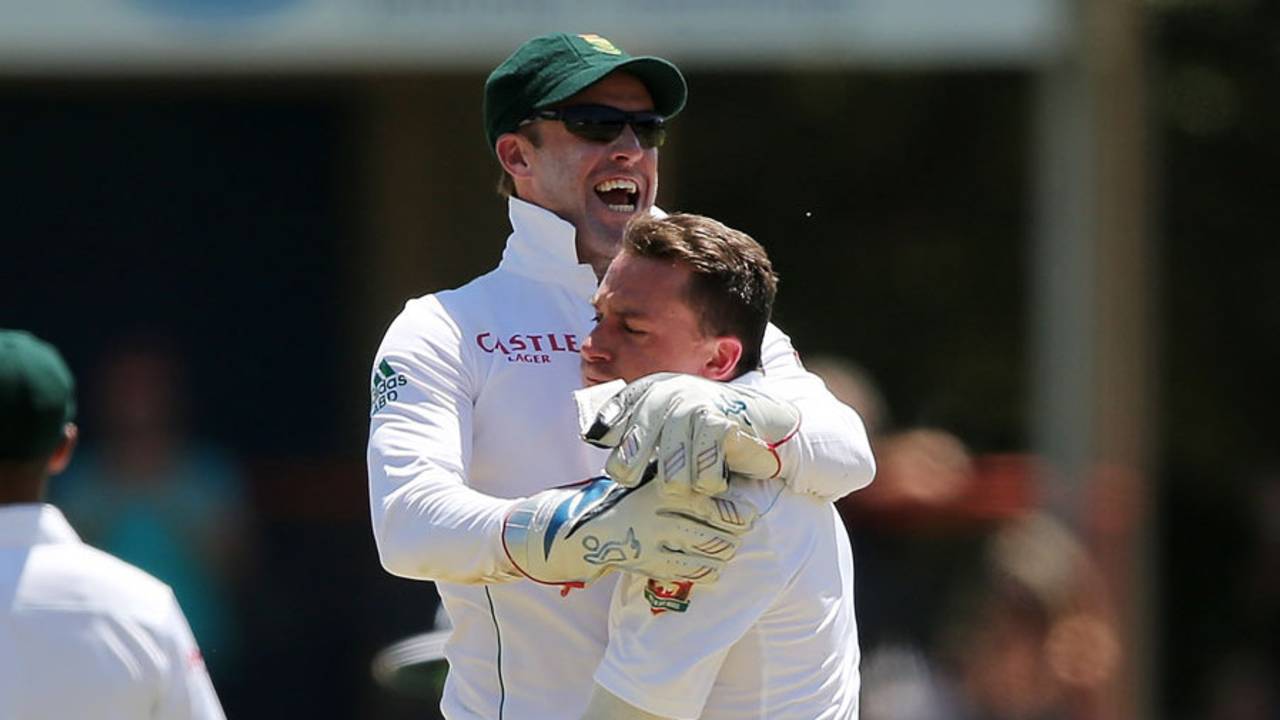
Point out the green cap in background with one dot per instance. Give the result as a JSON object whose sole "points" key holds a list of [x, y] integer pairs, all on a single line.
{"points": [[550, 69], [37, 396]]}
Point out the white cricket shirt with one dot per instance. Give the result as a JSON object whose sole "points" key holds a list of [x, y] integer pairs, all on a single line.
{"points": [[86, 635], [471, 403], [775, 638]]}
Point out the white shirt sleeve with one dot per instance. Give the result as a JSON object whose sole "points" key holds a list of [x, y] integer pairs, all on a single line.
{"points": [[186, 692], [831, 456], [667, 662], [427, 523], [604, 705]]}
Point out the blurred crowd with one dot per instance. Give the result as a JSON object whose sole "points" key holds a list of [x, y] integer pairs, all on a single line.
{"points": [[977, 603]]}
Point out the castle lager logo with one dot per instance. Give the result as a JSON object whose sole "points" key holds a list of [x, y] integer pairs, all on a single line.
{"points": [[535, 349]]}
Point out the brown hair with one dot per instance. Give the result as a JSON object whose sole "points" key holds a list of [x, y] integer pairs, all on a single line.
{"points": [[733, 282]]}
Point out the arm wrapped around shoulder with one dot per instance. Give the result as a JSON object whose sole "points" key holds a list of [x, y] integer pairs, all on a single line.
{"points": [[699, 431], [573, 535]]}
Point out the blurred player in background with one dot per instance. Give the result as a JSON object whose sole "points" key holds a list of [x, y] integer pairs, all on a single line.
{"points": [[157, 496], [82, 634], [471, 411], [776, 637]]}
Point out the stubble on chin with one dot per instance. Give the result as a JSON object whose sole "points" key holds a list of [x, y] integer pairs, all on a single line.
{"points": [[599, 246]]}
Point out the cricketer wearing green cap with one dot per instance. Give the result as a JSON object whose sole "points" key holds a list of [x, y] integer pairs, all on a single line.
{"points": [[37, 405], [576, 123], [82, 634], [472, 418]]}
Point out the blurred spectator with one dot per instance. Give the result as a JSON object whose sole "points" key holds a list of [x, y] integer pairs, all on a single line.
{"points": [[974, 606], [854, 386], [82, 634], [1028, 637], [917, 469], [903, 576], [145, 491], [1033, 637], [899, 683]]}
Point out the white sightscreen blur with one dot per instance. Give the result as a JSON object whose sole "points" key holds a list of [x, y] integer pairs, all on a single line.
{"points": [[175, 36]]}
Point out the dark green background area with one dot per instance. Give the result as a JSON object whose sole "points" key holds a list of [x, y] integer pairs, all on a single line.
{"points": [[1216, 118]]}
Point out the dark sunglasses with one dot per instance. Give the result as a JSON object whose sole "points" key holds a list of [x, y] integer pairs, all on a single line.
{"points": [[603, 124]]}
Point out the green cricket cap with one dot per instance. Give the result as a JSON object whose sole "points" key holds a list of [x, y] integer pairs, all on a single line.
{"points": [[37, 396], [550, 69]]}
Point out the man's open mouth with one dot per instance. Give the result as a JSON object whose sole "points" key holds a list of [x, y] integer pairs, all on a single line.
{"points": [[619, 195]]}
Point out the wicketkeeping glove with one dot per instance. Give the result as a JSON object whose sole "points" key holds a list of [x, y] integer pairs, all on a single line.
{"points": [[699, 431], [572, 535]]}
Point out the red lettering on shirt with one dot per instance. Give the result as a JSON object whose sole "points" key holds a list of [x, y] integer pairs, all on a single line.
{"points": [[515, 346]]}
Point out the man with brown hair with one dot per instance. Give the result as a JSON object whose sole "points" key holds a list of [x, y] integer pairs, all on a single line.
{"points": [[776, 637], [690, 266]]}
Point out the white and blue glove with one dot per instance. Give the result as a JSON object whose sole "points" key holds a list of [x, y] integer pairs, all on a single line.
{"points": [[571, 536], [698, 430]]}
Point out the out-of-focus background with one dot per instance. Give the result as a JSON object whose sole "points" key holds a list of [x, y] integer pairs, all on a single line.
{"points": [[1027, 239]]}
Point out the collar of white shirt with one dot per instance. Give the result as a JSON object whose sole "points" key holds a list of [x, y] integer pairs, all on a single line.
{"points": [[27, 524], [542, 247]]}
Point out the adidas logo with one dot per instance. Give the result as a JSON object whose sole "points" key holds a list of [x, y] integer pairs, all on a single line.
{"points": [[383, 387]]}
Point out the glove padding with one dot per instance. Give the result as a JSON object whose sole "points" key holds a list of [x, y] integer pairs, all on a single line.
{"points": [[698, 430], [572, 535]]}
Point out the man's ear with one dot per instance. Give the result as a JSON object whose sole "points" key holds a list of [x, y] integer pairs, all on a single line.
{"points": [[512, 150], [62, 455], [725, 353]]}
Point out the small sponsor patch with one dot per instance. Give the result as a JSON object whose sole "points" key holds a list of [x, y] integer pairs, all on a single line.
{"points": [[664, 596], [601, 44], [385, 386]]}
